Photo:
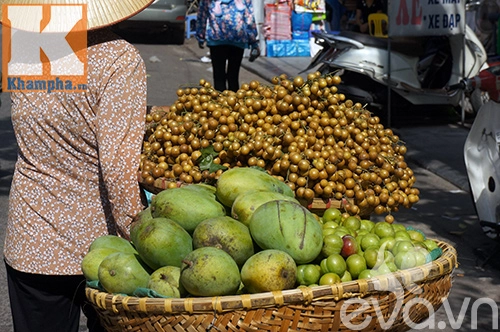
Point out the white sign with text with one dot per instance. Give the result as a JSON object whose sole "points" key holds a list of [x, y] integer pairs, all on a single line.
{"points": [[426, 17]]}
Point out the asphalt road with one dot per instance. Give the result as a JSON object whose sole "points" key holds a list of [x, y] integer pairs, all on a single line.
{"points": [[445, 210]]}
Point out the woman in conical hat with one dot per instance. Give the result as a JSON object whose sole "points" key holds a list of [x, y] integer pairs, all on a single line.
{"points": [[79, 137], [100, 13]]}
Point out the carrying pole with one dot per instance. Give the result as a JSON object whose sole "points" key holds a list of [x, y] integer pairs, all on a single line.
{"points": [[463, 76], [389, 84]]}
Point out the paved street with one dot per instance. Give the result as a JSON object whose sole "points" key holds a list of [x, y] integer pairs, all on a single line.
{"points": [[445, 210]]}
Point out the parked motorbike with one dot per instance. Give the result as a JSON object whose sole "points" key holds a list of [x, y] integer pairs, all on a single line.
{"points": [[482, 151], [419, 70]]}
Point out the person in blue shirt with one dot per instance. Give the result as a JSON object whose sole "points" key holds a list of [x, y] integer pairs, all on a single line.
{"points": [[227, 27]]}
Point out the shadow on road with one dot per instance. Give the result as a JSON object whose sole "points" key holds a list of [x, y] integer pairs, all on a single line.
{"points": [[142, 37], [8, 151], [5, 181]]}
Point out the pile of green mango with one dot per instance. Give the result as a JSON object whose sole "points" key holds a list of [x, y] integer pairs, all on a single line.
{"points": [[246, 234]]}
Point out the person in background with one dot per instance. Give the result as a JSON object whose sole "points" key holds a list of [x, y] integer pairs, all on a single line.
{"points": [[363, 9], [75, 177], [227, 27]]}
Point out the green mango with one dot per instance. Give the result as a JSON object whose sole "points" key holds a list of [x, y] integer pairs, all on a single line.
{"points": [[187, 207], [247, 202], [92, 260], [287, 226], [227, 234], [144, 214], [166, 281], [235, 181], [123, 272], [161, 242], [210, 271], [112, 242], [203, 187], [138, 220], [269, 270]]}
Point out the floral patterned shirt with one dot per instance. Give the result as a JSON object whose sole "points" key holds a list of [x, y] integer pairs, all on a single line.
{"points": [[75, 178], [229, 22]]}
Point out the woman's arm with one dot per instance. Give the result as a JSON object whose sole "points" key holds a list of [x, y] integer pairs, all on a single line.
{"points": [[121, 120], [251, 25]]}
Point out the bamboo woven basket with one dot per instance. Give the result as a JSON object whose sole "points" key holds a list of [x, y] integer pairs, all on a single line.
{"points": [[406, 296]]}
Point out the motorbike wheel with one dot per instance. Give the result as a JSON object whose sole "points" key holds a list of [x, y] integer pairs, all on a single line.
{"points": [[472, 102], [360, 88], [478, 99], [357, 87]]}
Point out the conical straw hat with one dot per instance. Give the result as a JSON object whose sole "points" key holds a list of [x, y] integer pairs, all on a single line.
{"points": [[100, 13]]}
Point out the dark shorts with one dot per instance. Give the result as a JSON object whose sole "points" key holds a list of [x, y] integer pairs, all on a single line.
{"points": [[48, 303]]}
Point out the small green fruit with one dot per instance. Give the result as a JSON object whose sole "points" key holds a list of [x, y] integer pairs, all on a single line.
{"points": [[402, 235], [370, 240], [387, 243], [334, 263], [367, 274], [346, 276], [421, 256], [398, 227], [430, 244], [401, 246], [332, 214], [308, 274], [353, 223], [329, 278], [366, 225], [416, 235], [330, 224], [371, 257], [383, 229], [332, 244], [355, 264], [405, 260]]}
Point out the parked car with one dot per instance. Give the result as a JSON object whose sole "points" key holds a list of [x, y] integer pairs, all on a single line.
{"points": [[166, 16]]}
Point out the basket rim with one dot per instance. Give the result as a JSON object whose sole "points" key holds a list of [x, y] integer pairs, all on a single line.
{"points": [[442, 266]]}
